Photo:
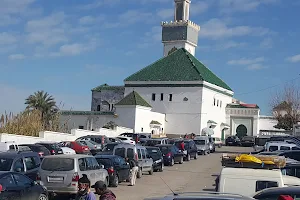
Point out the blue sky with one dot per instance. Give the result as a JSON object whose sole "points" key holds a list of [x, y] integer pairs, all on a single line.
{"points": [[67, 47]]}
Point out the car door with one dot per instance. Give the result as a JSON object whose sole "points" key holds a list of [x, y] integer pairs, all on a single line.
{"points": [[122, 167], [90, 171], [10, 190], [148, 160], [19, 166], [28, 189], [32, 165], [100, 174]]}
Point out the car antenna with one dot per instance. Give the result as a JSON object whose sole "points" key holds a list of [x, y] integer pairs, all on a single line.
{"points": [[175, 194]]}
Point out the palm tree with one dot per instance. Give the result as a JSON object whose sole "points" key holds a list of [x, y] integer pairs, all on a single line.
{"points": [[43, 102]]}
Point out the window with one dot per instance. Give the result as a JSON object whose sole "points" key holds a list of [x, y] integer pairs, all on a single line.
{"points": [[112, 107], [22, 180], [153, 97], [5, 164], [98, 108], [295, 148], [130, 153], [29, 163], [59, 164], [19, 165], [217, 103], [170, 97], [273, 148], [92, 163], [12, 147], [214, 102], [120, 152], [260, 185], [162, 96], [81, 127], [81, 163], [139, 154], [142, 129], [143, 154], [284, 148]]}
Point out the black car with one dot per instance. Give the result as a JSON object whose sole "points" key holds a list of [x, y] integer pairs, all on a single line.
{"points": [[171, 154], [116, 167], [52, 147], [232, 141], [16, 186], [248, 141], [190, 147], [274, 193], [157, 157], [40, 149], [27, 163], [108, 148]]}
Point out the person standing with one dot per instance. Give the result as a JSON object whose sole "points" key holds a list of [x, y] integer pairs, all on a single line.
{"points": [[101, 189], [84, 192], [133, 170]]}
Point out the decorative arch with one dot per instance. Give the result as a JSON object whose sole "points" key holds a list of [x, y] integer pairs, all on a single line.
{"points": [[241, 131]]}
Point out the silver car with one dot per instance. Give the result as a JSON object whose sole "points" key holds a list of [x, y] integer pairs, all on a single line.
{"points": [[94, 146], [60, 173], [203, 145]]}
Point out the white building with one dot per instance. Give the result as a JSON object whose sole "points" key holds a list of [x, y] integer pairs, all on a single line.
{"points": [[175, 95]]}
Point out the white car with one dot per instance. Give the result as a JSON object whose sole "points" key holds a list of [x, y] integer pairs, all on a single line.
{"points": [[128, 140], [67, 150]]}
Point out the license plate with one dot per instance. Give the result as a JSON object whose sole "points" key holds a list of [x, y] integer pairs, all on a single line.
{"points": [[55, 179], [59, 152]]}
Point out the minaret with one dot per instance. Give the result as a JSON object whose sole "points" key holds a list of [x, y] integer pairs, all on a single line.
{"points": [[182, 33]]}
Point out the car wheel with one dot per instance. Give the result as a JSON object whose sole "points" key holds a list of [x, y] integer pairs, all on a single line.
{"points": [[151, 171], [172, 162], [188, 158], [181, 160], [139, 174], [107, 181], [196, 156], [43, 197], [115, 183], [219, 145]]}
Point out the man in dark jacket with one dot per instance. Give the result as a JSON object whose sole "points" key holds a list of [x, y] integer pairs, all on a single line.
{"points": [[101, 189]]}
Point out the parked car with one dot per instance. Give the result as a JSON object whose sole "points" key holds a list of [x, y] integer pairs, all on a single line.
{"points": [[212, 145], [53, 147], [77, 147], [108, 148], [16, 186], [190, 147], [158, 160], [248, 141], [274, 193], [156, 141], [127, 140], [93, 146], [100, 139], [118, 170], [218, 142], [280, 146], [40, 149], [9, 145], [60, 173], [27, 163], [171, 154], [202, 144], [233, 140], [114, 140], [137, 152]]}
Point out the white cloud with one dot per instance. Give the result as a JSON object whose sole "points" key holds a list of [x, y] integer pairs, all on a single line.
{"points": [[17, 57], [14, 6], [165, 13], [229, 45], [246, 61], [199, 7], [267, 43], [217, 29], [99, 3], [87, 20], [294, 59], [256, 66], [228, 6], [7, 20], [7, 39]]}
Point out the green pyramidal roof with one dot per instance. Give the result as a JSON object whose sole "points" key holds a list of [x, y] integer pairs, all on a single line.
{"points": [[178, 66], [134, 99]]}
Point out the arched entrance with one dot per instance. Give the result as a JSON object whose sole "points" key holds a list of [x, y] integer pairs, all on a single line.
{"points": [[241, 131]]}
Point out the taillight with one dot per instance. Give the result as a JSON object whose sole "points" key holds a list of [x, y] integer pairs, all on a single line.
{"points": [[53, 151], [110, 170], [41, 154], [75, 177], [38, 177], [95, 146], [168, 154], [136, 156]]}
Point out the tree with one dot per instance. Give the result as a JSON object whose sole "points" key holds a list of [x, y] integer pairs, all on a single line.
{"points": [[44, 103], [110, 125], [286, 107]]}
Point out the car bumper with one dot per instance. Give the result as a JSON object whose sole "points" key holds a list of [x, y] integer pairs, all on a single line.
{"points": [[157, 164], [62, 190]]}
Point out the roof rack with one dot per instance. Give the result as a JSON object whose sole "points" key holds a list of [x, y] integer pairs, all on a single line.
{"points": [[265, 161]]}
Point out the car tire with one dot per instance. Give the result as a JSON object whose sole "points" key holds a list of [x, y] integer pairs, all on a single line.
{"points": [[151, 171], [43, 197], [181, 160], [139, 174], [172, 162], [196, 156], [115, 183], [205, 152]]}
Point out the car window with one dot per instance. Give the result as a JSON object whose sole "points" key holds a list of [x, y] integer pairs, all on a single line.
{"points": [[29, 163], [19, 165], [89, 163], [82, 164], [22, 180], [7, 181], [5, 164], [130, 153], [120, 152], [122, 161], [58, 164], [284, 148], [273, 148], [260, 185], [12, 147], [139, 154], [295, 148], [143, 154], [105, 161]]}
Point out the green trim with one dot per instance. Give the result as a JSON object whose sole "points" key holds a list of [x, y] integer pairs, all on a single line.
{"points": [[107, 87], [155, 122], [179, 85], [135, 99], [72, 112], [212, 122]]}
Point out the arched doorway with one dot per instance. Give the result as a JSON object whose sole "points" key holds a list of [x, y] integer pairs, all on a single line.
{"points": [[241, 131]]}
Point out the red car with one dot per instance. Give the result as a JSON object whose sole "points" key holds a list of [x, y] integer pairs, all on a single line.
{"points": [[77, 147]]}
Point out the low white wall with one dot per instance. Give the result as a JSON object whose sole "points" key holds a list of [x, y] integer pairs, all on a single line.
{"points": [[58, 137]]}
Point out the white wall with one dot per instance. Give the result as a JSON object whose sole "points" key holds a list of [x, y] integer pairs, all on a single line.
{"points": [[179, 44], [58, 137], [214, 112], [126, 116], [267, 123]]}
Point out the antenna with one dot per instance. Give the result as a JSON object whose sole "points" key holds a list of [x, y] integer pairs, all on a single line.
{"points": [[175, 194]]}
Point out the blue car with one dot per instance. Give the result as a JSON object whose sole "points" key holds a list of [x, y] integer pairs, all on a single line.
{"points": [[171, 154]]}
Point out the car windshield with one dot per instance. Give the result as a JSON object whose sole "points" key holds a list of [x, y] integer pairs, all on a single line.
{"points": [[5, 164], [165, 150], [152, 142], [110, 147], [200, 142], [105, 161], [155, 153], [58, 164]]}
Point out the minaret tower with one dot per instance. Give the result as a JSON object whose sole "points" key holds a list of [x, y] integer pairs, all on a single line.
{"points": [[182, 33]]}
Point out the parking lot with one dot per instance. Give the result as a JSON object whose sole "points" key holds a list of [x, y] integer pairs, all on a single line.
{"points": [[193, 176]]}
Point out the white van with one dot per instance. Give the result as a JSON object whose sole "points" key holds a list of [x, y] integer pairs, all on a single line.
{"points": [[280, 146], [8, 146], [247, 181]]}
